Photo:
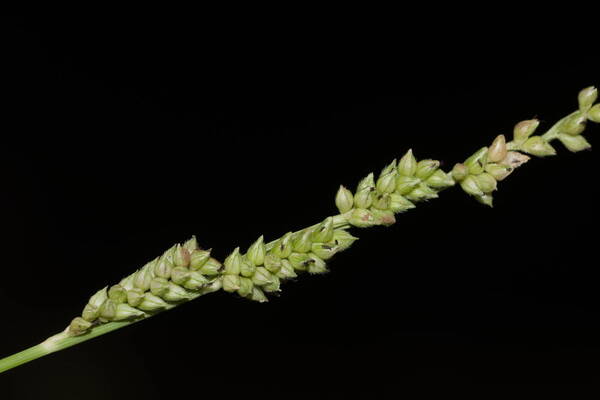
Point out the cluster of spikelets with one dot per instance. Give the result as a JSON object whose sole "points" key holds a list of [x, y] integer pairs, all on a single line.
{"points": [[182, 273], [480, 173], [397, 188], [262, 268], [185, 271]]}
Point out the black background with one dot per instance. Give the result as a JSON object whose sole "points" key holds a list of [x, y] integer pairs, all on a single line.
{"points": [[123, 135]]}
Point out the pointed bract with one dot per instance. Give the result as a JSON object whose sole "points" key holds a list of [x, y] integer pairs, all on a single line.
{"points": [[594, 114], [426, 168], [498, 171], [283, 247], [323, 232], [99, 297], [117, 294], [151, 302], [486, 199], [406, 184], [179, 275], [422, 193], [514, 159], [126, 312], [258, 295], [362, 218], [587, 97], [439, 180], [127, 283], [79, 326], [477, 161], [389, 168], [195, 281], [198, 258], [176, 293], [90, 313], [231, 283], [135, 297], [211, 267], [524, 129], [273, 286], [168, 255], [387, 183], [286, 271], [460, 172], [497, 150], [159, 287], [343, 239], [181, 257], [324, 250], [364, 198], [233, 262], [316, 265], [382, 201], [344, 200], [163, 268], [469, 185], [367, 182], [272, 263], [400, 203], [537, 146], [302, 241], [574, 143], [256, 252], [575, 124], [407, 166], [247, 269], [384, 217], [262, 276], [108, 310], [191, 244], [299, 261], [246, 287], [486, 182], [211, 287]]}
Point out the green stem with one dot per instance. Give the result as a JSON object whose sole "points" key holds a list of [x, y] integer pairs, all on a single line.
{"points": [[58, 342], [63, 340]]}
